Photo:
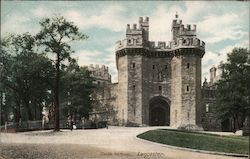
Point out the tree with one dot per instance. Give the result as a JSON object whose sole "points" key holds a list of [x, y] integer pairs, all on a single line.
{"points": [[25, 76], [76, 88], [233, 90], [55, 35]]}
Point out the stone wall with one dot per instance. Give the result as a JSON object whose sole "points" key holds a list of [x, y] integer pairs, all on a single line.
{"points": [[191, 76], [176, 88], [209, 120], [104, 104], [171, 72], [156, 73], [134, 90], [122, 100]]}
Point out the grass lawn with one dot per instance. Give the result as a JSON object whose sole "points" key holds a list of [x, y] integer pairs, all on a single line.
{"points": [[201, 141]]}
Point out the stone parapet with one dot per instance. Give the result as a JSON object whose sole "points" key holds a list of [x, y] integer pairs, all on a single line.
{"points": [[100, 73], [137, 37], [180, 43]]}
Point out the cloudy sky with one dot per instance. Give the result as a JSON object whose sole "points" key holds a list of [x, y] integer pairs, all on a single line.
{"points": [[222, 25]]}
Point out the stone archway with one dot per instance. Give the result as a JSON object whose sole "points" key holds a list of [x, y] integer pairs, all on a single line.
{"points": [[159, 112]]}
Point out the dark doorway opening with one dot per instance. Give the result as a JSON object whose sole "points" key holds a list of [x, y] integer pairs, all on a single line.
{"points": [[159, 112], [226, 125]]}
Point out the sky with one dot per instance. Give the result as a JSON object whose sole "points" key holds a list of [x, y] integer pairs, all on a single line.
{"points": [[221, 25]]}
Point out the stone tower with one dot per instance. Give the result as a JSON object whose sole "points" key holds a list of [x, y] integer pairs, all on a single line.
{"points": [[186, 76], [159, 85]]}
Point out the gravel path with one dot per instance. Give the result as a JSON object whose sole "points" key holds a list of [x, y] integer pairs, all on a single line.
{"points": [[113, 143]]}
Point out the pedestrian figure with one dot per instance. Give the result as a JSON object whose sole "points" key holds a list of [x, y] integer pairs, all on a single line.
{"points": [[83, 122], [71, 125]]}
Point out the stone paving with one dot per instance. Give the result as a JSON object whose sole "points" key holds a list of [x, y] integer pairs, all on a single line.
{"points": [[115, 142]]}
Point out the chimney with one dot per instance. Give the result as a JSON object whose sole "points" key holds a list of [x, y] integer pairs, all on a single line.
{"points": [[212, 74]]}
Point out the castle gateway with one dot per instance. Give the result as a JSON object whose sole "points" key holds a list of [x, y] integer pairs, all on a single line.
{"points": [[157, 84]]}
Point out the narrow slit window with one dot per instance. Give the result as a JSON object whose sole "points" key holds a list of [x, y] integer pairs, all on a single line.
{"points": [[160, 88], [187, 65], [207, 107], [187, 89], [133, 65], [153, 67]]}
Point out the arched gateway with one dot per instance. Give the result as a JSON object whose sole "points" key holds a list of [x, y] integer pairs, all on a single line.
{"points": [[159, 111]]}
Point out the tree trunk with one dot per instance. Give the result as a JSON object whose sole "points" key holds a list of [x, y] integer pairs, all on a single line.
{"points": [[34, 105], [57, 115], [238, 123], [243, 117], [27, 105], [234, 124], [17, 113]]}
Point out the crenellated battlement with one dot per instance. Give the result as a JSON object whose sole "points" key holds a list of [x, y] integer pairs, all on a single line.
{"points": [[180, 43], [100, 72], [136, 34], [183, 37], [135, 30], [138, 29], [188, 30], [98, 67], [155, 79]]}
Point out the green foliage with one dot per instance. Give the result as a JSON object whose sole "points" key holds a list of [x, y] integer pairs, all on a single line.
{"points": [[55, 35], [233, 90], [199, 141], [28, 76], [25, 75], [75, 92]]}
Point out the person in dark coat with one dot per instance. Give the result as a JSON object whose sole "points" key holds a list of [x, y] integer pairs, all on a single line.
{"points": [[71, 125]]}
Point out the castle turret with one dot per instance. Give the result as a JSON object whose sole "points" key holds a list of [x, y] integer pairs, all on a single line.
{"points": [[176, 27], [186, 76], [136, 35], [182, 35], [144, 24], [160, 85]]}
